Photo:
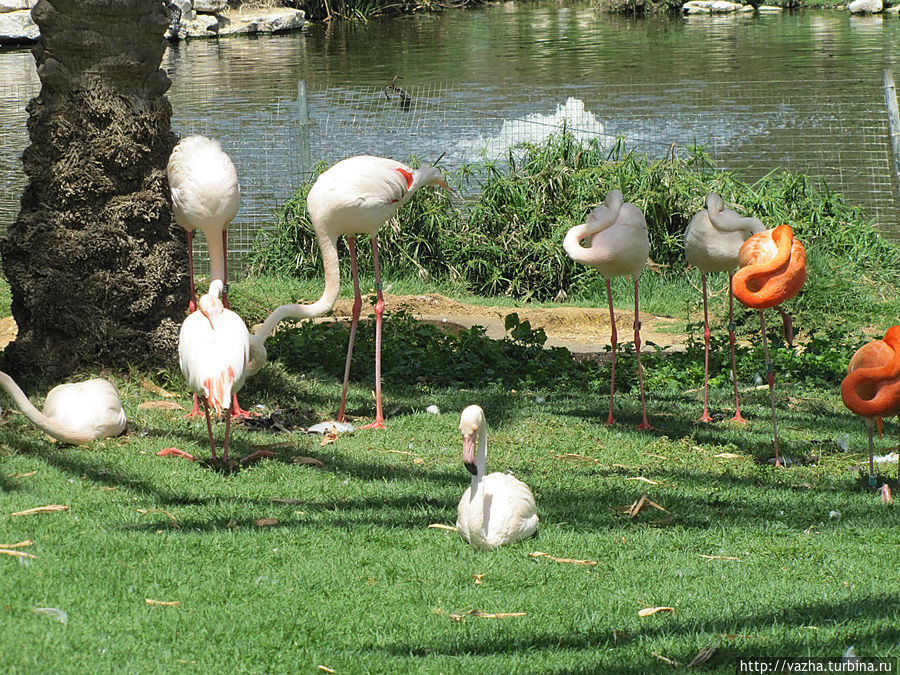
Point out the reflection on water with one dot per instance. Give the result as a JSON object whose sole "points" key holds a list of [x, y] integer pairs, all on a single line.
{"points": [[796, 90]]}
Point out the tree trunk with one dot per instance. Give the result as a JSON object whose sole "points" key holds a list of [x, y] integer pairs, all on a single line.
{"points": [[96, 265]]}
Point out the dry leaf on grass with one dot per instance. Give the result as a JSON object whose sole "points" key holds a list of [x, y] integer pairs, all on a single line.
{"points": [[265, 522], [164, 603], [441, 526], [728, 455], [704, 654], [22, 475], [326, 669], [156, 389], [640, 504], [329, 437], [50, 508], [571, 561], [719, 557], [17, 554], [650, 611], [485, 615], [478, 578], [572, 457], [160, 405], [19, 544], [662, 658], [643, 480], [309, 460]]}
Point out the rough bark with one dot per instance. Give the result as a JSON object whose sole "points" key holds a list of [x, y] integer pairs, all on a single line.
{"points": [[96, 266]]}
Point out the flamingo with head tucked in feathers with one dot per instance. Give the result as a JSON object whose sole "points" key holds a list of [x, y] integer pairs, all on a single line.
{"points": [[355, 196], [773, 270], [617, 244], [74, 413], [871, 388], [711, 243]]}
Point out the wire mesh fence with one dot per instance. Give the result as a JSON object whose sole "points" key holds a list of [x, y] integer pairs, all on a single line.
{"points": [[837, 133]]}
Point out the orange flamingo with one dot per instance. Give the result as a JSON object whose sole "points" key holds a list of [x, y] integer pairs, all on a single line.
{"points": [[772, 270], [871, 388]]}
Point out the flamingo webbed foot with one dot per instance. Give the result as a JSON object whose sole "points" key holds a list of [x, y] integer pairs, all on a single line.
{"points": [[377, 424]]}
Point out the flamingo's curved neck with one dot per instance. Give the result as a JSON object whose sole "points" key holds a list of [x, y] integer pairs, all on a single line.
{"points": [[38, 419], [478, 526], [216, 247], [328, 246]]}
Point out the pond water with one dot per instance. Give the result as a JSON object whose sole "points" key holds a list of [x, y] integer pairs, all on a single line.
{"points": [[801, 90]]}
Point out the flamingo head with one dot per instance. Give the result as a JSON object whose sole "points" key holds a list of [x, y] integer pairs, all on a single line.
{"points": [[210, 304], [429, 175], [469, 422]]}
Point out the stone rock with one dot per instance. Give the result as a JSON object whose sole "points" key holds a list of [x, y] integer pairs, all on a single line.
{"points": [[865, 6], [769, 9], [210, 6], [15, 5], [714, 7], [18, 26], [201, 25], [261, 21]]}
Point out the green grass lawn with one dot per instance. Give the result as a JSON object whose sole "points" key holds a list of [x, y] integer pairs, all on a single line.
{"points": [[286, 566]]}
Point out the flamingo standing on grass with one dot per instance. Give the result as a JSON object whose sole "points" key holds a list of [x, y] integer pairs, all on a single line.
{"points": [[871, 388], [711, 243], [617, 244], [497, 508], [206, 196], [74, 413], [356, 196], [773, 270], [214, 356]]}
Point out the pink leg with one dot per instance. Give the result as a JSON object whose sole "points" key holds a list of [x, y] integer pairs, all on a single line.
{"points": [[614, 341], [737, 404], [192, 303], [379, 313], [357, 308], [705, 417], [770, 375], [637, 348], [212, 443], [227, 433]]}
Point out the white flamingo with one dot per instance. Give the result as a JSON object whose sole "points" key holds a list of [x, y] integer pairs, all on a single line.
{"points": [[497, 508], [214, 353], [617, 244], [355, 196], [711, 243], [206, 196], [75, 413]]}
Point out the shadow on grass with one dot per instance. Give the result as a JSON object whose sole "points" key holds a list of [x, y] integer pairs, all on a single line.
{"points": [[872, 611]]}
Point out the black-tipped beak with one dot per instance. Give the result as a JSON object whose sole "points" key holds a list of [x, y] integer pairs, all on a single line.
{"points": [[471, 467]]}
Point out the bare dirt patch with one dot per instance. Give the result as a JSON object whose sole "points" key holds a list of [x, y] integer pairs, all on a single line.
{"points": [[581, 330]]}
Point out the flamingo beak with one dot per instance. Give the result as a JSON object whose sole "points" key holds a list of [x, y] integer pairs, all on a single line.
{"points": [[469, 452]]}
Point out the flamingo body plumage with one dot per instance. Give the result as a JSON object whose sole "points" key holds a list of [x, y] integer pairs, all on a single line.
{"points": [[75, 413], [497, 508], [712, 243], [214, 353], [614, 241]]}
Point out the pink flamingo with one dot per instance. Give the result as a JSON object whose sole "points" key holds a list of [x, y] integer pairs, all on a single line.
{"points": [[617, 245], [214, 356], [206, 196], [357, 196], [711, 243]]}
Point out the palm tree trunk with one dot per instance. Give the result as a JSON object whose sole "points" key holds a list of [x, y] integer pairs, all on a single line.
{"points": [[96, 266]]}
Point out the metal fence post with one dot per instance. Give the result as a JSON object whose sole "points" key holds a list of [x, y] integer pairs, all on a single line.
{"points": [[890, 99], [303, 129]]}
